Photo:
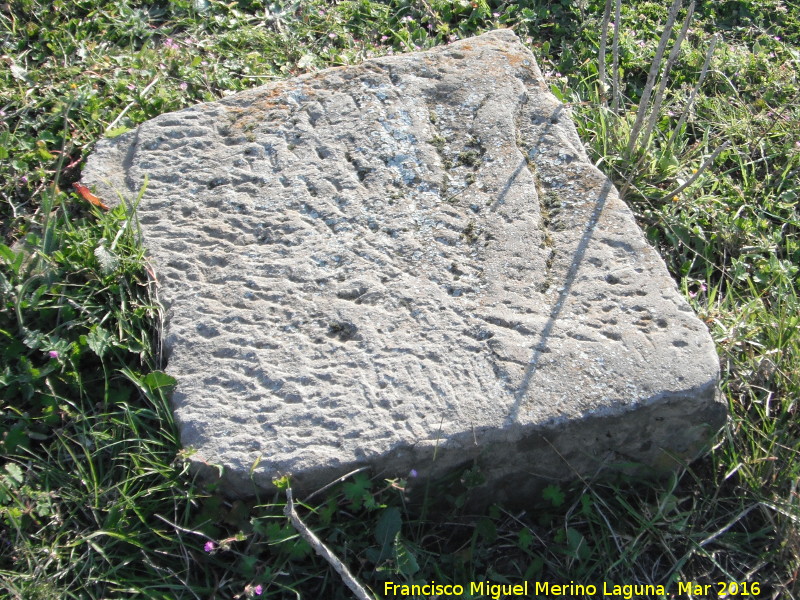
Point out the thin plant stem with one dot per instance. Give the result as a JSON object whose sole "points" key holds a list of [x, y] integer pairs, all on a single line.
{"points": [[717, 152], [703, 167], [651, 76], [132, 104], [615, 91], [695, 91], [601, 67], [321, 549], [662, 84]]}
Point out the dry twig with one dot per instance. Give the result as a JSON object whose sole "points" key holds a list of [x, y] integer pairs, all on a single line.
{"points": [[323, 550], [644, 102]]}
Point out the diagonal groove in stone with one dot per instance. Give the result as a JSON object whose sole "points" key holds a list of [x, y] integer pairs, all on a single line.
{"points": [[404, 259]]}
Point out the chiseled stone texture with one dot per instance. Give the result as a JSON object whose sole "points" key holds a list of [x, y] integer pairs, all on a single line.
{"points": [[409, 264]]}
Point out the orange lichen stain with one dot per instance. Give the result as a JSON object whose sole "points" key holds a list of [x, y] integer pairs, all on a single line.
{"points": [[514, 59], [271, 98], [318, 74], [524, 63], [246, 117]]}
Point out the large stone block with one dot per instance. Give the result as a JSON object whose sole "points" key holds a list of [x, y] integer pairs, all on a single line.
{"points": [[409, 264]]}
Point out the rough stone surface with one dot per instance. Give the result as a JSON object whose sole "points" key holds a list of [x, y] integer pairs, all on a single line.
{"points": [[409, 264]]}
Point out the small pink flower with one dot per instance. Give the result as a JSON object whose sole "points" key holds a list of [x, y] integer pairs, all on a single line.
{"points": [[384, 38], [702, 288], [332, 35], [170, 43], [258, 589], [183, 85], [53, 354], [209, 547]]}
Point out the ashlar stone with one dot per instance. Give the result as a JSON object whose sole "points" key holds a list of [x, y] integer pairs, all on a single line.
{"points": [[409, 264]]}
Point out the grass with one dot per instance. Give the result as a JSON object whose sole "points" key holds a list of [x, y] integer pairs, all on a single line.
{"points": [[95, 497]]}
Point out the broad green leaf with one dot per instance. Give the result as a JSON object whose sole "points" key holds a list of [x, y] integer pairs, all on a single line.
{"points": [[388, 527], [406, 561], [554, 494], [159, 379], [99, 340], [14, 472], [9, 255], [524, 538], [486, 529], [117, 131], [358, 490], [578, 547]]}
